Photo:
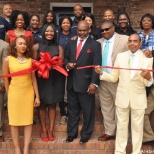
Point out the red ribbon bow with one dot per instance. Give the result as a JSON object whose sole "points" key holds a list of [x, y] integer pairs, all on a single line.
{"points": [[46, 63]]}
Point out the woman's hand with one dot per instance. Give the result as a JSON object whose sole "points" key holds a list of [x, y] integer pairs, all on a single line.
{"points": [[37, 102], [74, 37]]}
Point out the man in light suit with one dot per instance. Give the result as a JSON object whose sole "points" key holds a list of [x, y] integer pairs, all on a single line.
{"points": [[107, 91], [81, 84], [4, 48], [131, 93]]}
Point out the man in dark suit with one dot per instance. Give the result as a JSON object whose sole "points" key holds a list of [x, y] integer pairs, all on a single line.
{"points": [[81, 84]]}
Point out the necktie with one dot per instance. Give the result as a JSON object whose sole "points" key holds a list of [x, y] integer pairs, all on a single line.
{"points": [[79, 49], [130, 61], [105, 55]]}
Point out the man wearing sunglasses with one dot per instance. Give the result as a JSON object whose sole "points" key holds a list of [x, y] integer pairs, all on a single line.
{"points": [[112, 44], [107, 15]]}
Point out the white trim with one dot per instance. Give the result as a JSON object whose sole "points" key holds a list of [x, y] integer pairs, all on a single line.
{"points": [[71, 5]]}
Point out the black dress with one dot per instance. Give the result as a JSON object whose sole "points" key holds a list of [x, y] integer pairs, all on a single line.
{"points": [[51, 90]]}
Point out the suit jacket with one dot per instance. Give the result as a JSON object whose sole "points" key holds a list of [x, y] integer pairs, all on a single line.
{"points": [[120, 45], [130, 90], [90, 54], [4, 48]]}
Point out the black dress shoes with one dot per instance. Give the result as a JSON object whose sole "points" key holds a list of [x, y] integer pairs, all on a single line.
{"points": [[83, 140], [70, 138]]}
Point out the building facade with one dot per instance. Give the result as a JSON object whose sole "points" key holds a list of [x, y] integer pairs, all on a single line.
{"points": [[135, 8]]}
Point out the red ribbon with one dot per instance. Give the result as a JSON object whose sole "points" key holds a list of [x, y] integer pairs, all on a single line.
{"points": [[43, 66], [93, 66]]}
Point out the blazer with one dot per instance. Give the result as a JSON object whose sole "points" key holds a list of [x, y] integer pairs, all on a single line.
{"points": [[4, 50], [90, 54], [120, 45], [130, 91]]}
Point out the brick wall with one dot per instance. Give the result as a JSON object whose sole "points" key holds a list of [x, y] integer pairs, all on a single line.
{"points": [[135, 8]]}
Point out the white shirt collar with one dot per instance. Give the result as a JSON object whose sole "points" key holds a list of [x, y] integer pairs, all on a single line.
{"points": [[135, 53]]}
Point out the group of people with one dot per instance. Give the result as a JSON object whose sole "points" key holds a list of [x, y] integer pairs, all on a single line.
{"points": [[79, 43]]}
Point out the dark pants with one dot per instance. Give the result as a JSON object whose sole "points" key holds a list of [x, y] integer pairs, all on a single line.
{"points": [[80, 102]]}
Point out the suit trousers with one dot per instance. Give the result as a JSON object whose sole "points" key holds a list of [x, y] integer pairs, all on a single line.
{"points": [[107, 94], [1, 111], [80, 102], [148, 134], [137, 117]]}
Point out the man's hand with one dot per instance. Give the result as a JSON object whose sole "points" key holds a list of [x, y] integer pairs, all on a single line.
{"points": [[98, 70], [148, 53], [2, 88], [70, 65], [146, 74], [91, 89]]}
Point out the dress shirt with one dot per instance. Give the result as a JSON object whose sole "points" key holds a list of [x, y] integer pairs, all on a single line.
{"points": [[84, 40], [109, 59], [63, 39], [134, 63], [147, 40]]}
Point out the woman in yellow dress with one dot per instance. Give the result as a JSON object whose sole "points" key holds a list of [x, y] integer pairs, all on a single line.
{"points": [[20, 90]]}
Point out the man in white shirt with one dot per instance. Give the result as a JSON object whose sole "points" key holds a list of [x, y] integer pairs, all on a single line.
{"points": [[112, 44], [131, 93]]}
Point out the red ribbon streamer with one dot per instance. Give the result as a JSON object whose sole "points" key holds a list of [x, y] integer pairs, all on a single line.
{"points": [[93, 66], [43, 66]]}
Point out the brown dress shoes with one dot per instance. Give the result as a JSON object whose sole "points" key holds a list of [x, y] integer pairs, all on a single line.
{"points": [[105, 137], [1, 139]]}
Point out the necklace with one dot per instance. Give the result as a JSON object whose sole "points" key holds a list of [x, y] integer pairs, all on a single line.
{"points": [[21, 60], [19, 32]]}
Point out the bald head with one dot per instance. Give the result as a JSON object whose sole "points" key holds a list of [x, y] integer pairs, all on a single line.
{"points": [[83, 23], [78, 12], [78, 6], [108, 15], [108, 23], [83, 29]]}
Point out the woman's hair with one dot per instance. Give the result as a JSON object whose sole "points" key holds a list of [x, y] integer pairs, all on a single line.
{"points": [[33, 15], [61, 20], [43, 33], [148, 15], [122, 11], [94, 30], [13, 50], [54, 17], [14, 16]]}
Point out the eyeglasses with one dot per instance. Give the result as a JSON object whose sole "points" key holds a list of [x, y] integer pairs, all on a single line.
{"points": [[106, 29]]}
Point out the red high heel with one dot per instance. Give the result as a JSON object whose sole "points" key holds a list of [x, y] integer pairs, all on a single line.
{"points": [[51, 138], [45, 139]]}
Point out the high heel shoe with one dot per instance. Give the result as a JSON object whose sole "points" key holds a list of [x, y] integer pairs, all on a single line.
{"points": [[45, 139], [51, 138]]}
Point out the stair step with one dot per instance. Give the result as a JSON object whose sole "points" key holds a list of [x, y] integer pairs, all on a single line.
{"points": [[59, 130], [59, 146]]}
